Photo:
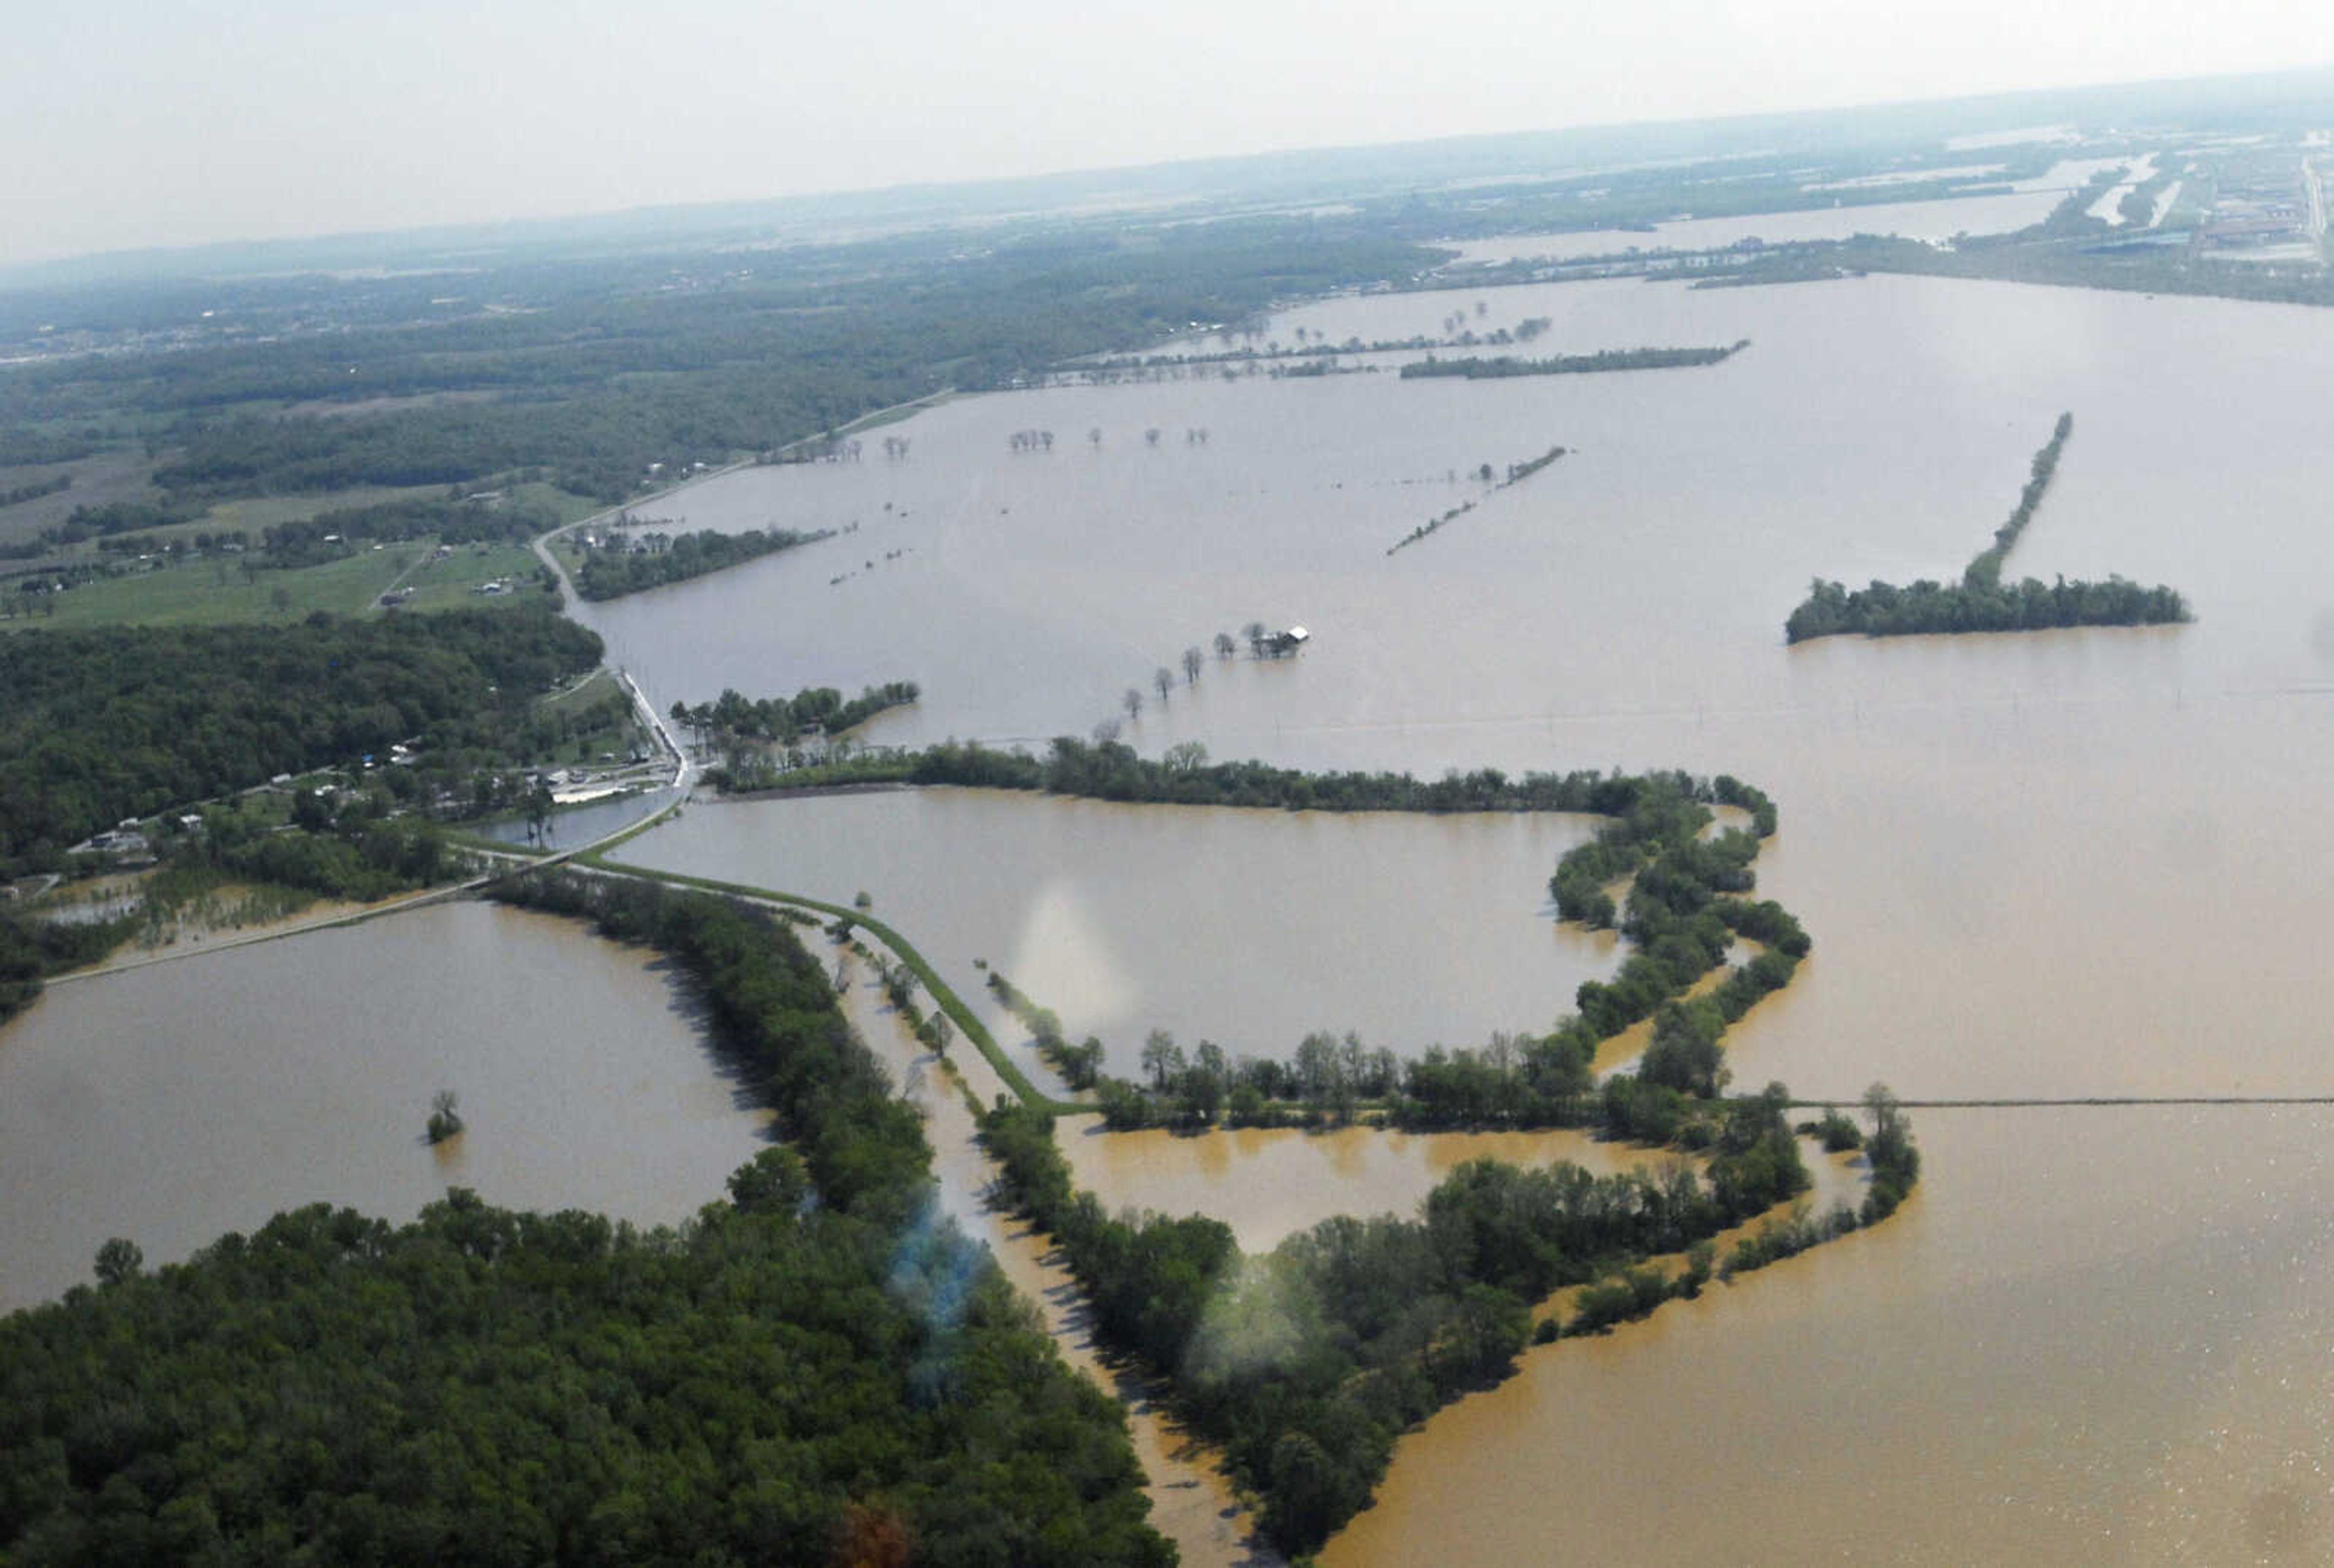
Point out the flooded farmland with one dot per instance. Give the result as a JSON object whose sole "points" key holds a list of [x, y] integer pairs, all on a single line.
{"points": [[173, 1104], [1250, 928], [2063, 865]]}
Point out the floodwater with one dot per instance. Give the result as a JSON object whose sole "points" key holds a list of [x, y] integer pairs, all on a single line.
{"points": [[2094, 1338], [2067, 864], [1251, 929], [1270, 1183], [2072, 864], [174, 1104]]}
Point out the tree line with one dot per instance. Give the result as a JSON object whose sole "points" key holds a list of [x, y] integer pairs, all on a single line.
{"points": [[1687, 906], [613, 573], [32, 949], [810, 1372], [1506, 365], [34, 489], [1685, 909], [1981, 601], [784, 720]]}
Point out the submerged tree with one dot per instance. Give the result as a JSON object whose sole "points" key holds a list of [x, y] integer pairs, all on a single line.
{"points": [[445, 1121]]}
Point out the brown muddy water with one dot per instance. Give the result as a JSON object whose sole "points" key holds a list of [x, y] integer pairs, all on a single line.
{"points": [[172, 1104], [1249, 928], [2064, 864]]}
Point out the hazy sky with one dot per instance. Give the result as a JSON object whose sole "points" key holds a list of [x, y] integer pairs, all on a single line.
{"points": [[144, 122]]}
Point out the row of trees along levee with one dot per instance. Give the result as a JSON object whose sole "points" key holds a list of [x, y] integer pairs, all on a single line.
{"points": [[1981, 601], [1306, 1363], [1505, 366], [618, 570]]}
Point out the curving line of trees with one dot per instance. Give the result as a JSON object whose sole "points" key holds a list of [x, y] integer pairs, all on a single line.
{"points": [[611, 574]]}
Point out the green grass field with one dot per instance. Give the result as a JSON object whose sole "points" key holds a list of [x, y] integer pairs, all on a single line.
{"points": [[215, 590], [447, 585]]}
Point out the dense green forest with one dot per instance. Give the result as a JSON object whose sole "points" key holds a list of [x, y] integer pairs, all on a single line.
{"points": [[612, 573], [96, 726], [1918, 609], [1980, 601], [594, 372], [813, 1373], [1569, 364], [766, 1383]]}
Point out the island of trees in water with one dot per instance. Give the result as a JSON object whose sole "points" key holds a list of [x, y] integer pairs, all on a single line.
{"points": [[1980, 600], [652, 560], [1506, 365], [815, 1372]]}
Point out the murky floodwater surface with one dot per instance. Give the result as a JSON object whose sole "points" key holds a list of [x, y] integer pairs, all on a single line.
{"points": [[2067, 864], [173, 1103]]}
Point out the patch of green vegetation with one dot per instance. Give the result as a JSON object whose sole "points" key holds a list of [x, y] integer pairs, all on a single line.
{"points": [[1306, 1363], [453, 584], [222, 588], [215, 591], [255, 514], [1507, 367], [336, 1388], [32, 948]]}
